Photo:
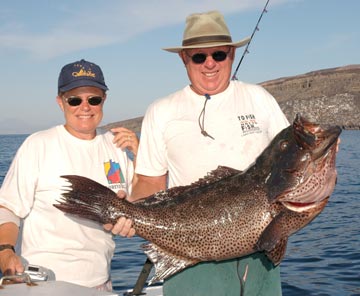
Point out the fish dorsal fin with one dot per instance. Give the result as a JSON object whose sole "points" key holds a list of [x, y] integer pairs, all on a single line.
{"points": [[166, 264], [212, 177], [216, 175]]}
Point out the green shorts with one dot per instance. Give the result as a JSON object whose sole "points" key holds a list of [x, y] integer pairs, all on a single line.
{"points": [[223, 278]]}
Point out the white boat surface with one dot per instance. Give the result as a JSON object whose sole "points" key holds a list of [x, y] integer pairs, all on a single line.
{"points": [[53, 288], [61, 288]]}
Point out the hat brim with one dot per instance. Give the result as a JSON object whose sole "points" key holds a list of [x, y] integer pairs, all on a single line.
{"points": [[206, 45], [80, 83]]}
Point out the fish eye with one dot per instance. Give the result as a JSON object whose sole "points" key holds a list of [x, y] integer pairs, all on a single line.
{"points": [[284, 145]]}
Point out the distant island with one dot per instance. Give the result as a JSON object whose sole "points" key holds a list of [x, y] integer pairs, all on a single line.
{"points": [[329, 96]]}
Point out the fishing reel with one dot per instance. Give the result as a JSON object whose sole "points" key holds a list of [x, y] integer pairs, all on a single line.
{"points": [[36, 273]]}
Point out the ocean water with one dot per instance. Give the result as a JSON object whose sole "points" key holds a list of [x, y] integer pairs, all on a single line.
{"points": [[322, 259]]}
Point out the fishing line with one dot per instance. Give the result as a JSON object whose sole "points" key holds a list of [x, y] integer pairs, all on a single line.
{"points": [[251, 37]]}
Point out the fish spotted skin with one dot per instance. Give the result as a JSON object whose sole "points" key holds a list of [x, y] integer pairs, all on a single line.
{"points": [[228, 213]]}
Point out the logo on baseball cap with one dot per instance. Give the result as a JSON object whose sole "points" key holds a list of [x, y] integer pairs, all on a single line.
{"points": [[81, 73]]}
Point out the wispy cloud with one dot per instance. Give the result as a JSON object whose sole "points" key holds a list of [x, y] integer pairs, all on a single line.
{"points": [[102, 23]]}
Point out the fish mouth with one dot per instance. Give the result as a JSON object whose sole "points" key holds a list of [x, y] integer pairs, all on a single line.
{"points": [[315, 175], [304, 207]]}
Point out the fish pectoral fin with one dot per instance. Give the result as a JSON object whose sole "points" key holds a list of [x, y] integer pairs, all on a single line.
{"points": [[277, 254], [273, 240], [166, 264], [271, 235]]}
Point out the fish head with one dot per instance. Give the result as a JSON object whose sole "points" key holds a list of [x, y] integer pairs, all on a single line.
{"points": [[300, 165]]}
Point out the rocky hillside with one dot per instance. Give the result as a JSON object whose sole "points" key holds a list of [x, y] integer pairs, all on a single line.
{"points": [[330, 96]]}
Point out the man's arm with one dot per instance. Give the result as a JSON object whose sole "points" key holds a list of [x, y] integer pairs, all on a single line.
{"points": [[145, 186]]}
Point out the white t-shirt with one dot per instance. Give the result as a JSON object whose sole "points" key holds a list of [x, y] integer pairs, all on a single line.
{"points": [[243, 120], [77, 250]]}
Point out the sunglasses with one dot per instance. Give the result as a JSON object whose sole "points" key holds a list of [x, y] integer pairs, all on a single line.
{"points": [[218, 56], [76, 101]]}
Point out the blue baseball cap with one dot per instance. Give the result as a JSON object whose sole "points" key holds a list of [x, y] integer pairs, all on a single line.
{"points": [[81, 73]]}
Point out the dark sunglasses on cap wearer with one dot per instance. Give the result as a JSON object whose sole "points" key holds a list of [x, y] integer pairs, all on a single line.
{"points": [[200, 58], [76, 101]]}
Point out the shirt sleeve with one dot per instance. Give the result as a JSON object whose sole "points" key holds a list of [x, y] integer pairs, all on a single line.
{"points": [[278, 119], [17, 190], [275, 119], [151, 158]]}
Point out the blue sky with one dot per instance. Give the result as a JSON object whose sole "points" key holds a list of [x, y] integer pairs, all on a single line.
{"points": [[125, 38]]}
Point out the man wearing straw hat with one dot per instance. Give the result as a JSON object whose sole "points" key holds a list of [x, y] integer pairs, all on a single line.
{"points": [[213, 121]]}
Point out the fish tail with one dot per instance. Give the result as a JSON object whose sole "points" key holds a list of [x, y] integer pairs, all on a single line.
{"points": [[88, 199]]}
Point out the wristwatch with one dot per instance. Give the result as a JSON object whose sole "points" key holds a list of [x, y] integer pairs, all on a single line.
{"points": [[7, 246]]}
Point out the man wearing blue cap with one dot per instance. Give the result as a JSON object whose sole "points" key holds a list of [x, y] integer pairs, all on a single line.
{"points": [[75, 250]]}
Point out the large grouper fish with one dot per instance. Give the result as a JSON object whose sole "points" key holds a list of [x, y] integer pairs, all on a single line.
{"points": [[228, 213]]}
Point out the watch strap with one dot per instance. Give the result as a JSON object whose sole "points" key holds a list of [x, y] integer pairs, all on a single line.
{"points": [[7, 246]]}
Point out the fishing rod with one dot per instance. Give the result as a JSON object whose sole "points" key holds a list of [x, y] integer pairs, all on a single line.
{"points": [[251, 37]]}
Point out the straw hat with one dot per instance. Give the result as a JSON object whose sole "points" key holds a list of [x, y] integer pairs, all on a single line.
{"points": [[206, 30]]}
